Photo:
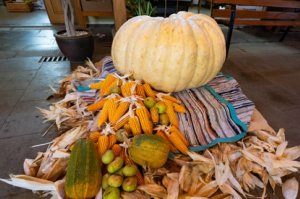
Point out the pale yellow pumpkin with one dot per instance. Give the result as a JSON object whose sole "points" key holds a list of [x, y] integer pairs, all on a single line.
{"points": [[183, 51]]}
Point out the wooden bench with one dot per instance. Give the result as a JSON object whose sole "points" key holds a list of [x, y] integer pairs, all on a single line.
{"points": [[284, 13], [117, 10]]}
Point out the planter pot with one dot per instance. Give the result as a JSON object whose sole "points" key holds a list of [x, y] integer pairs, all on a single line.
{"points": [[75, 48]]}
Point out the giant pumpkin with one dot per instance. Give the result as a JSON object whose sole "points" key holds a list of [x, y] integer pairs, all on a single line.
{"points": [[183, 51]]}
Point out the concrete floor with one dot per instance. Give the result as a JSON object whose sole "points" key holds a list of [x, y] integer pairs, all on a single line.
{"points": [[35, 18], [267, 70]]}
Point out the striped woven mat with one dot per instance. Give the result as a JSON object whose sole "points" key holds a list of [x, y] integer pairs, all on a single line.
{"points": [[217, 112]]}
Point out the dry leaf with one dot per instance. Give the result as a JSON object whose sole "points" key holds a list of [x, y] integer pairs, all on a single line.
{"points": [[292, 153], [34, 184], [208, 189], [221, 196], [173, 185], [134, 195], [154, 190], [184, 177]]}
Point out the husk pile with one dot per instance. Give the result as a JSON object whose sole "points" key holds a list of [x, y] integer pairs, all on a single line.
{"points": [[228, 170]]}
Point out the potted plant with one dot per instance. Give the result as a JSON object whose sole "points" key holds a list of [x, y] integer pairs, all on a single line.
{"points": [[75, 44], [140, 7]]}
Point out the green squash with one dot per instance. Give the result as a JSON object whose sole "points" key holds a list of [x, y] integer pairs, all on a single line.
{"points": [[83, 179], [149, 150]]}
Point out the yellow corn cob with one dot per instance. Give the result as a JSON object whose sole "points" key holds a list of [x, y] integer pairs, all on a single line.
{"points": [[135, 126], [106, 90], [103, 143], [175, 130], [177, 142], [112, 140], [129, 88], [111, 108], [103, 115], [145, 121], [127, 127], [117, 149], [179, 108], [140, 91], [154, 115], [96, 106], [123, 90], [94, 136], [107, 82], [171, 113], [140, 102], [119, 124], [126, 88], [120, 111], [148, 90], [171, 98], [97, 85], [165, 137]]}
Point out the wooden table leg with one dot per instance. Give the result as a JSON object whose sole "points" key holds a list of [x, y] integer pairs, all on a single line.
{"points": [[119, 8]]}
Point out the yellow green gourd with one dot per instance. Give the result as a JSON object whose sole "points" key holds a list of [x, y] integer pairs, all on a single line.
{"points": [[83, 179], [149, 150]]}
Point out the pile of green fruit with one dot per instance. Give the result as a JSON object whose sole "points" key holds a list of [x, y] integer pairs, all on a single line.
{"points": [[118, 177]]}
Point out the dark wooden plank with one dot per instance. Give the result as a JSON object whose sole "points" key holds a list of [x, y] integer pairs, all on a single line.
{"points": [[120, 14], [256, 14], [268, 3], [97, 14], [263, 22]]}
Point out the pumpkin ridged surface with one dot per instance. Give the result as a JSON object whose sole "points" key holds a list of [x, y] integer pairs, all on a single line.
{"points": [[149, 150], [83, 179], [183, 51]]}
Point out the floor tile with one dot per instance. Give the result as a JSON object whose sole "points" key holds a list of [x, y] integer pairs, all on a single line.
{"points": [[8, 101], [24, 119], [55, 68], [19, 64], [16, 150]]}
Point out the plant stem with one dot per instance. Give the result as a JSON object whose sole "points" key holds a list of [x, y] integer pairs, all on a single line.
{"points": [[69, 17]]}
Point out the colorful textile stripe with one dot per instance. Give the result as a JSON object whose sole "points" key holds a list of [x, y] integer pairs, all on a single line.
{"points": [[217, 112], [108, 67]]}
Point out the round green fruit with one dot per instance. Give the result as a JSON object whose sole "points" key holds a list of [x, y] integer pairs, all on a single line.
{"points": [[115, 165], [161, 107], [149, 102], [115, 180], [129, 170], [108, 157], [111, 193], [130, 184], [105, 181]]}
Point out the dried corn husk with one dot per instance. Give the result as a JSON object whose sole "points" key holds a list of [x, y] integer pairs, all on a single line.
{"points": [[36, 184], [31, 166], [154, 190], [135, 195], [172, 185]]}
